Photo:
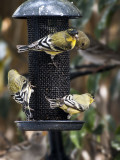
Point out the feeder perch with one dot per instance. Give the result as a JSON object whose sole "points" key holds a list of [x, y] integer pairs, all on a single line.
{"points": [[45, 17]]}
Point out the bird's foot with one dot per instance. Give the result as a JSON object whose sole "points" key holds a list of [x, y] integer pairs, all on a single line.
{"points": [[69, 116], [31, 109], [28, 108], [53, 63], [32, 86], [29, 115]]}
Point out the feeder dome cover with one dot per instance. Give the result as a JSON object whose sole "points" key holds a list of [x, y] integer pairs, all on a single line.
{"points": [[32, 8]]}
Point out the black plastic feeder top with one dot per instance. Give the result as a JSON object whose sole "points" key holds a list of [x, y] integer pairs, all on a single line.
{"points": [[32, 8]]}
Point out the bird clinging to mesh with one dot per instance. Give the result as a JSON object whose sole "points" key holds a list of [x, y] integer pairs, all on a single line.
{"points": [[56, 43], [20, 89], [72, 104]]}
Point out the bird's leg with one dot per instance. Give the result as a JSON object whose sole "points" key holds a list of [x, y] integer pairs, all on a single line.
{"points": [[53, 62], [27, 107]]}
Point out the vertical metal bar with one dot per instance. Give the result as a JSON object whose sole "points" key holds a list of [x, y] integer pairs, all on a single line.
{"points": [[56, 146]]}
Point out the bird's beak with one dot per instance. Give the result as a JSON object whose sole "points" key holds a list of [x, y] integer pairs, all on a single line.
{"points": [[76, 36]]}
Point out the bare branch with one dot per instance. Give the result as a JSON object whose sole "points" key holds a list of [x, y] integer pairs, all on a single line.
{"points": [[88, 72]]}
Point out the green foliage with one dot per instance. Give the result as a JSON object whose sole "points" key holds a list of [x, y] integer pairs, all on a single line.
{"points": [[107, 9], [68, 144], [77, 138], [110, 122], [73, 91], [89, 118], [115, 85], [98, 130], [104, 21], [116, 143], [102, 4], [93, 83], [117, 132], [22, 115], [20, 135], [85, 6], [117, 157], [114, 45], [4, 106], [106, 18]]}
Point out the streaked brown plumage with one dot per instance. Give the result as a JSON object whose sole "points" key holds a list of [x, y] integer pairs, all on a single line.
{"points": [[100, 54]]}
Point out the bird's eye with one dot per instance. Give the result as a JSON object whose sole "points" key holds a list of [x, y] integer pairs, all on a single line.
{"points": [[82, 44]]}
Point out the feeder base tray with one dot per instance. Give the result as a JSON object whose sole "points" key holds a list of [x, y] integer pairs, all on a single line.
{"points": [[49, 125]]}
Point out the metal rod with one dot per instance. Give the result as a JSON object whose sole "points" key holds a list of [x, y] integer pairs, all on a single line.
{"points": [[56, 146]]}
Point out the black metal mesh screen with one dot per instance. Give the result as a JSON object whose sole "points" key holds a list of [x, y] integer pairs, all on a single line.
{"points": [[49, 81]]}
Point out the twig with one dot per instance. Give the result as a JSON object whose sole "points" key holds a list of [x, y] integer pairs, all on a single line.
{"points": [[5, 139], [79, 74], [86, 66]]}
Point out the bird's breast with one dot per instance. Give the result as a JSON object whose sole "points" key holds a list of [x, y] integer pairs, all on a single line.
{"points": [[72, 111], [71, 41]]}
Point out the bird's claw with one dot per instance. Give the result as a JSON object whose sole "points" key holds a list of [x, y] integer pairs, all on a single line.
{"points": [[69, 116], [31, 109], [53, 63], [32, 86]]}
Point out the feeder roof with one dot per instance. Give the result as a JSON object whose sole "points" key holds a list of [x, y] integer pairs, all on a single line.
{"points": [[32, 8]]}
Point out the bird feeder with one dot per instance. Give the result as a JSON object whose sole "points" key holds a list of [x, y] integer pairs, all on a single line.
{"points": [[45, 17]]}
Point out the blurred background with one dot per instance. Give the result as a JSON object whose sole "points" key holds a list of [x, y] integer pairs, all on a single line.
{"points": [[99, 139]]}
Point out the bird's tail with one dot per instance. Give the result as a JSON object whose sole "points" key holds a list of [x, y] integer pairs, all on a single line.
{"points": [[22, 48], [54, 103]]}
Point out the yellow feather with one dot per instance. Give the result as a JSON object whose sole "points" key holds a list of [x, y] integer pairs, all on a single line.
{"points": [[72, 111], [84, 99], [72, 40], [69, 110], [52, 53], [73, 43]]}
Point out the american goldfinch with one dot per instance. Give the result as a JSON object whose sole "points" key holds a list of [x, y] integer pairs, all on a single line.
{"points": [[53, 44], [20, 89], [82, 41], [72, 104], [100, 54]]}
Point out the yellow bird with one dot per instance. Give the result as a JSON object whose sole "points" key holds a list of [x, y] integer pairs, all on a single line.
{"points": [[72, 104], [53, 44], [82, 42], [20, 89]]}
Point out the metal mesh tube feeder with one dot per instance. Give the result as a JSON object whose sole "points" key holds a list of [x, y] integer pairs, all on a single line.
{"points": [[45, 17]]}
